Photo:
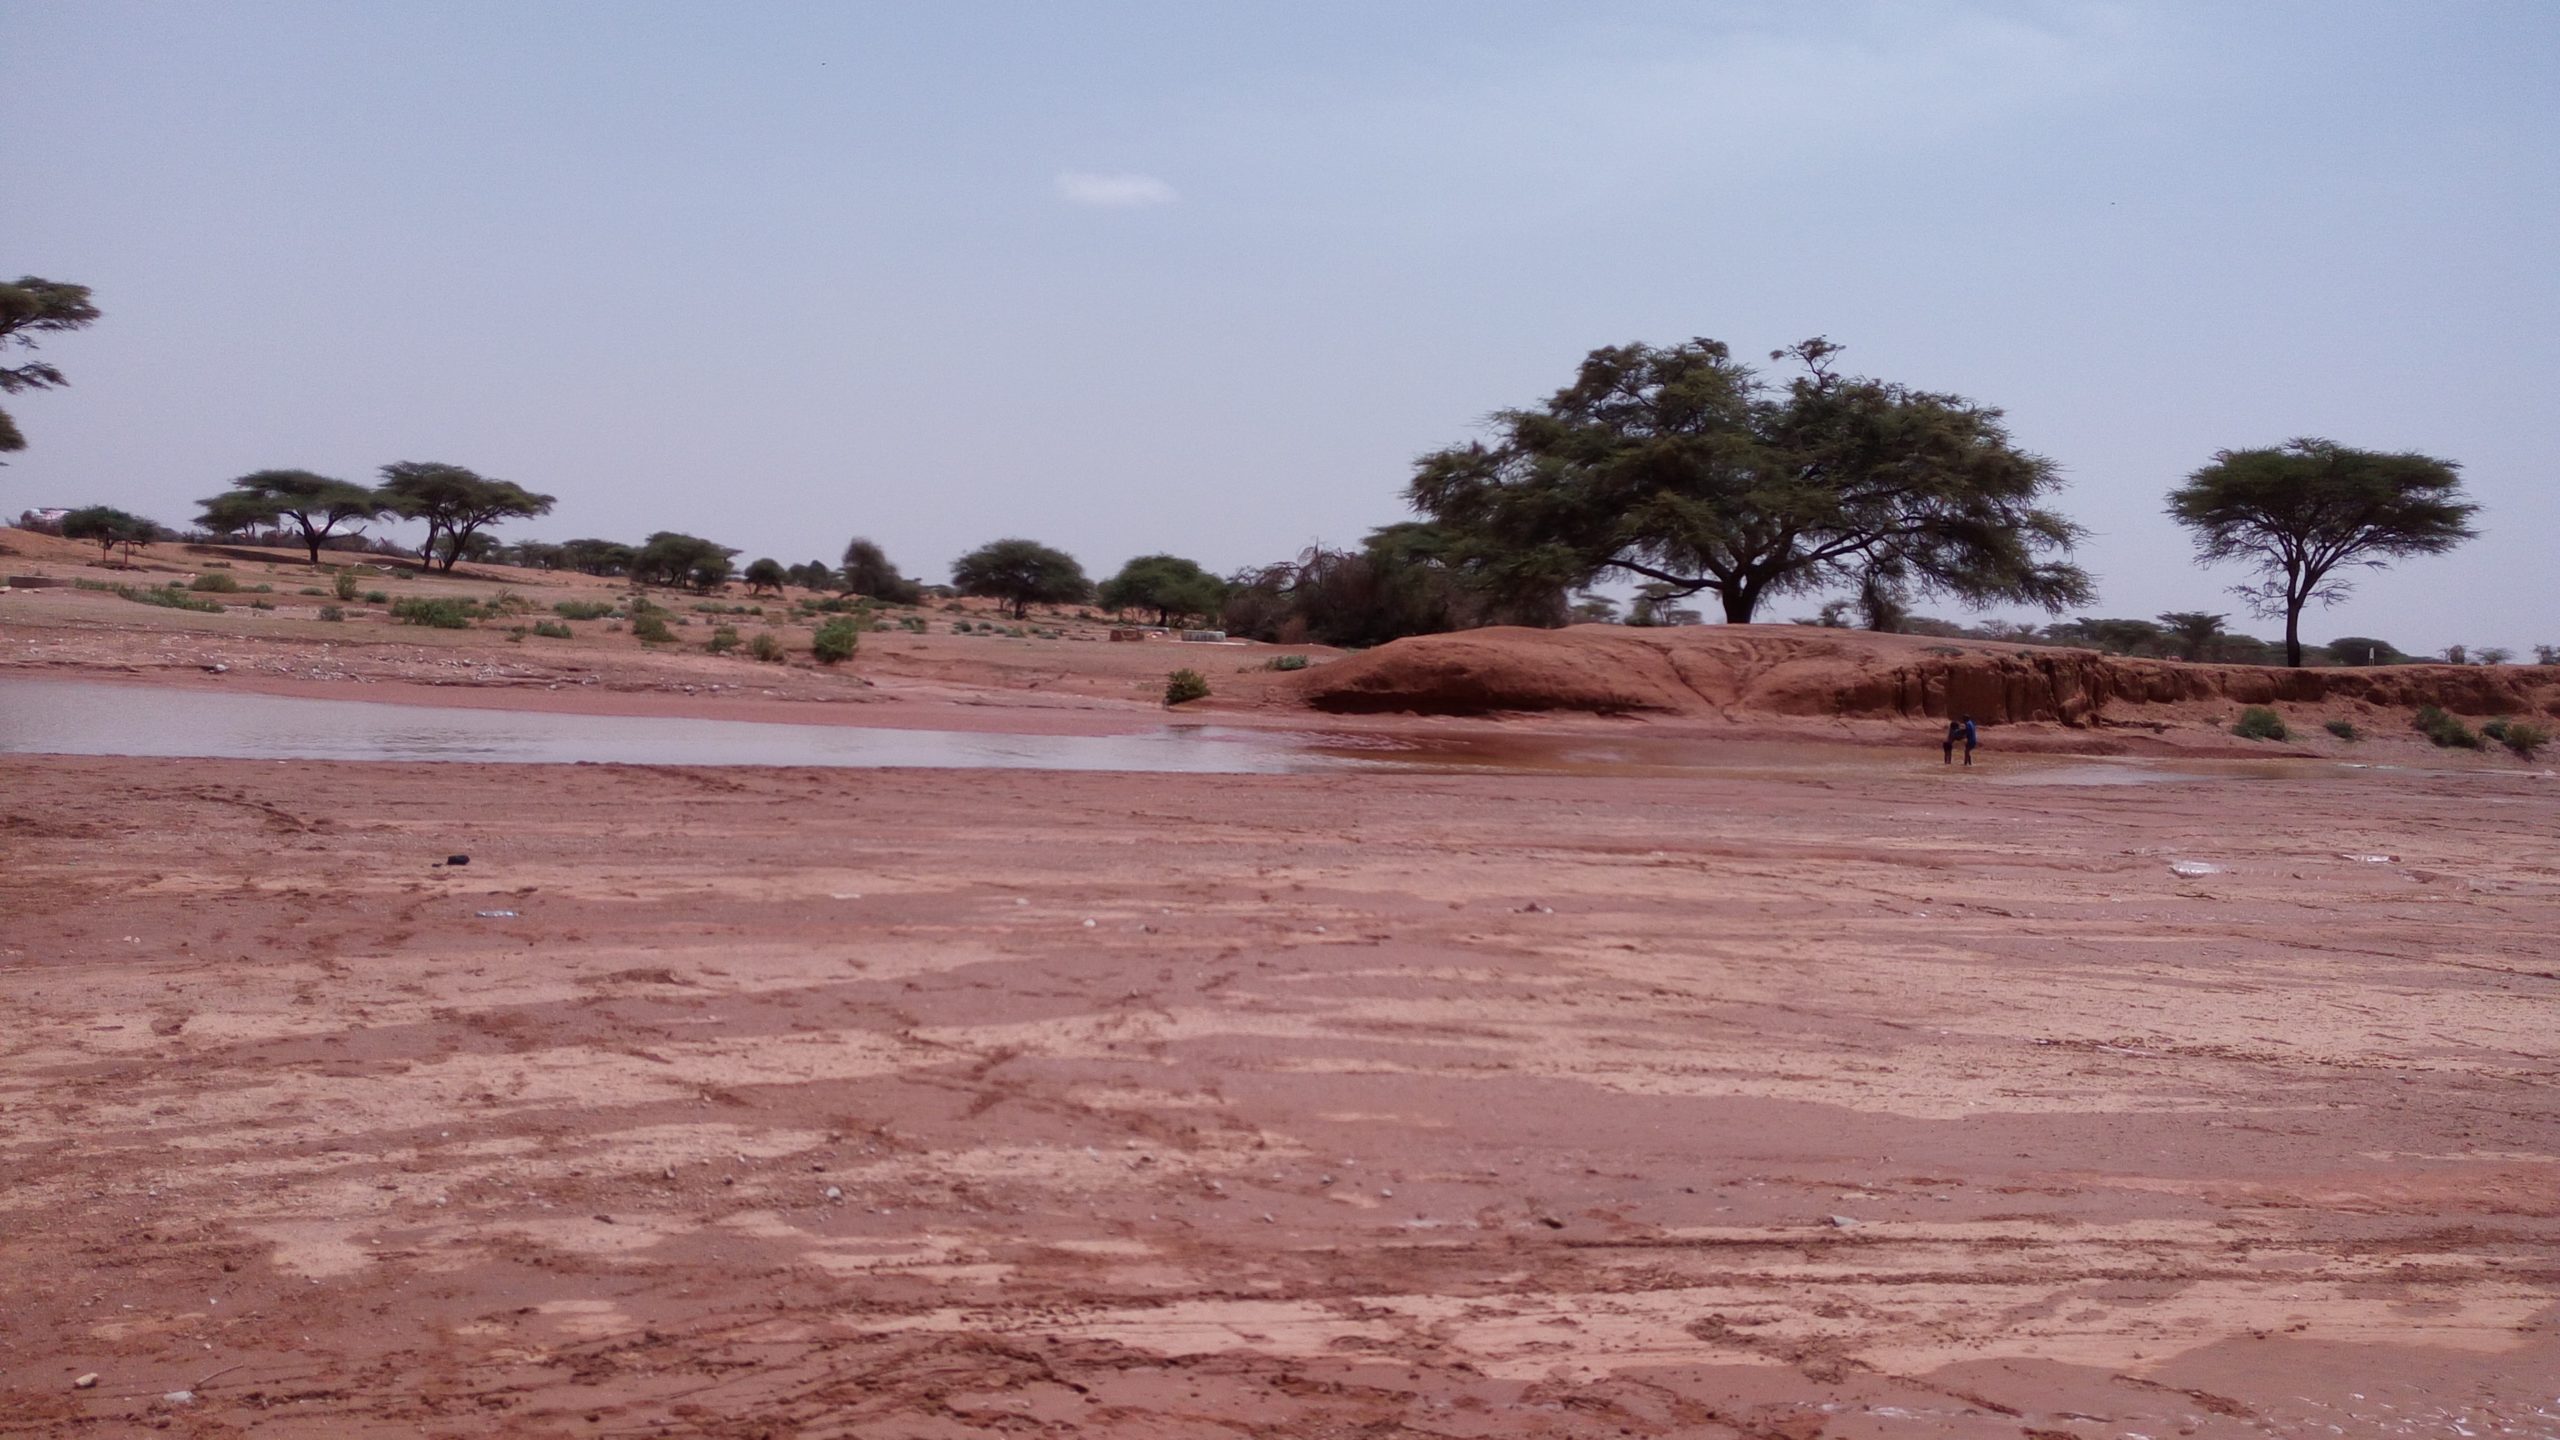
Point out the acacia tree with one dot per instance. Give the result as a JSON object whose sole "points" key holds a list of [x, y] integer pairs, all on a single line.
{"points": [[2197, 633], [1021, 573], [1684, 468], [110, 527], [456, 503], [766, 574], [316, 505], [2299, 512], [30, 307], [1169, 585], [670, 557], [867, 571]]}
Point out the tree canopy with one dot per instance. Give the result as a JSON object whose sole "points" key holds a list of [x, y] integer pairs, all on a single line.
{"points": [[1680, 466], [1174, 588], [456, 503], [672, 558], [110, 527], [766, 574], [867, 571], [1021, 573], [2298, 512], [315, 504], [29, 307]]}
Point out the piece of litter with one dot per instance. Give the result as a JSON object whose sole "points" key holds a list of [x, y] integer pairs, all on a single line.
{"points": [[833, 1193], [1844, 1222], [2370, 859], [495, 914], [844, 895], [180, 1397], [86, 1382], [2194, 868]]}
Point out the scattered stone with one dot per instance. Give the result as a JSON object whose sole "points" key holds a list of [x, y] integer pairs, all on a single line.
{"points": [[1534, 908], [86, 1382], [457, 859], [495, 914], [1844, 1222], [2193, 869], [179, 1397], [835, 1192]]}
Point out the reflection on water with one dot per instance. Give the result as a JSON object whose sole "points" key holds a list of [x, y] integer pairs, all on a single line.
{"points": [[69, 717]]}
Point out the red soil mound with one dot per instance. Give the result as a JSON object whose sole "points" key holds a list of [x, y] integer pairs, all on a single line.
{"points": [[1799, 670]]}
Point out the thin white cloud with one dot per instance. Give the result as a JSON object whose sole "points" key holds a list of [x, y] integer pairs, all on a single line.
{"points": [[1113, 192]]}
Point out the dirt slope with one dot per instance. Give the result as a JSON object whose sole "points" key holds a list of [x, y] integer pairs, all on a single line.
{"points": [[1733, 670]]}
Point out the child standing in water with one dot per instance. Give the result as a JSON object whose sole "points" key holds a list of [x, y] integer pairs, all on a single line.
{"points": [[1960, 731]]}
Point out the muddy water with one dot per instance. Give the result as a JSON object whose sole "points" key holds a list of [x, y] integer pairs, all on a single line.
{"points": [[85, 718], [66, 717]]}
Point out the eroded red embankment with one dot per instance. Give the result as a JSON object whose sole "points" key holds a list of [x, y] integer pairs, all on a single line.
{"points": [[1799, 670]]}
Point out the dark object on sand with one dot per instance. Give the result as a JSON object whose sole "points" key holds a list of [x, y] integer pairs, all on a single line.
{"points": [[457, 859]]}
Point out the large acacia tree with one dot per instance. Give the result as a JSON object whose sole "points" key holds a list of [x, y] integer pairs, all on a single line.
{"points": [[1680, 466], [456, 504], [315, 504], [1174, 588], [1021, 573], [32, 306], [2301, 511]]}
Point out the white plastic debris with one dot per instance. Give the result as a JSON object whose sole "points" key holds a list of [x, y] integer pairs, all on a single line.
{"points": [[2193, 869]]}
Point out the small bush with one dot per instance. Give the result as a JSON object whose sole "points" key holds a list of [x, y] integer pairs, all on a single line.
{"points": [[2260, 723], [1287, 662], [836, 641], [441, 614], [169, 598], [2345, 730], [262, 604], [1183, 686], [582, 609], [345, 580], [2496, 729], [912, 624], [651, 627], [766, 647], [214, 583], [310, 590], [2444, 730], [552, 630], [2524, 737], [377, 597], [724, 640], [332, 612]]}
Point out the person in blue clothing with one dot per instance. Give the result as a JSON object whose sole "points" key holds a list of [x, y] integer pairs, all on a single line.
{"points": [[1960, 731]]}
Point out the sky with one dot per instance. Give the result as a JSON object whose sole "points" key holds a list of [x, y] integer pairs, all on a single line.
{"points": [[1206, 278]]}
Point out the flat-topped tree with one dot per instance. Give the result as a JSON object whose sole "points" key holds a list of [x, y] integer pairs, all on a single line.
{"points": [[670, 557], [1677, 465], [1172, 587], [2301, 511], [766, 574], [110, 527], [456, 503], [31, 306], [316, 505], [1021, 573]]}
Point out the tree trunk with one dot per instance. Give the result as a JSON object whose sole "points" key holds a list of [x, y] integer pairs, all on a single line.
{"points": [[1739, 602], [2293, 635]]}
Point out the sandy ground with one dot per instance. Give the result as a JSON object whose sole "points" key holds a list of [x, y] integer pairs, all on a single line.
{"points": [[1867, 1099]]}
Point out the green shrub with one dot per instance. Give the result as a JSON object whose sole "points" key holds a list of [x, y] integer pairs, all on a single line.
{"points": [[2495, 729], [2444, 730], [332, 612], [214, 583], [1287, 662], [310, 590], [262, 604], [2345, 730], [723, 640], [651, 627], [766, 647], [262, 589], [168, 597], [2524, 737], [1183, 686], [836, 641], [443, 613], [552, 630], [345, 580], [583, 609], [2260, 723], [912, 624], [377, 597]]}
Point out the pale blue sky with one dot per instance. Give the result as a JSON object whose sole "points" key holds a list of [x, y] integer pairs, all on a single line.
{"points": [[1206, 278]]}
